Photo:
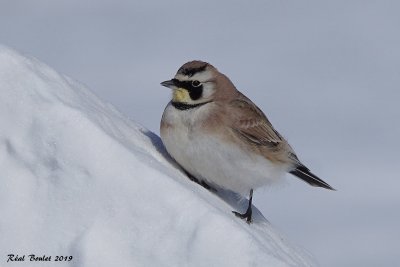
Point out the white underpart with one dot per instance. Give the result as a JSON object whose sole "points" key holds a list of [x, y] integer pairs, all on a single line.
{"points": [[211, 159]]}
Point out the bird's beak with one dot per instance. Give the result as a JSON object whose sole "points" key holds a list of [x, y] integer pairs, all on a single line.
{"points": [[169, 84]]}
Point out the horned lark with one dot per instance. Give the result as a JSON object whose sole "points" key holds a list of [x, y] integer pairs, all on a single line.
{"points": [[221, 138]]}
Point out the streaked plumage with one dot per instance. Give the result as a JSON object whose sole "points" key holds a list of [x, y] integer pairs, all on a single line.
{"points": [[221, 137]]}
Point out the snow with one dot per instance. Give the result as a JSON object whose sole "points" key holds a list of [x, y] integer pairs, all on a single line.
{"points": [[80, 179]]}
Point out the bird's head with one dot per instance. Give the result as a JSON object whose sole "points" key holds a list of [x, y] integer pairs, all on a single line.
{"points": [[197, 82]]}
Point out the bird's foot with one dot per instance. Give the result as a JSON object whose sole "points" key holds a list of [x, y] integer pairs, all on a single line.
{"points": [[248, 213]]}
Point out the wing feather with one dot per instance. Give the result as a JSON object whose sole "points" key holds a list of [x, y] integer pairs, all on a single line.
{"points": [[251, 124]]}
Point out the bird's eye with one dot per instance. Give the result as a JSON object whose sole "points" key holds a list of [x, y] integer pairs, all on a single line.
{"points": [[196, 83]]}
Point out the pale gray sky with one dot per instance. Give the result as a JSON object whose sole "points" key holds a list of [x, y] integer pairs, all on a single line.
{"points": [[327, 74]]}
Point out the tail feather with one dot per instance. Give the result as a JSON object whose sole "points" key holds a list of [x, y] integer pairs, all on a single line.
{"points": [[304, 174]]}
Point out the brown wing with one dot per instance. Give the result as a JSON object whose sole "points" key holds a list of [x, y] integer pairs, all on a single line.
{"points": [[252, 125]]}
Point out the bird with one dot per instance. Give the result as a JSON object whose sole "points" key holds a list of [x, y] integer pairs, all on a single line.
{"points": [[222, 139]]}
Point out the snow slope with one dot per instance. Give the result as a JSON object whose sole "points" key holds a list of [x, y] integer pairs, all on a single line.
{"points": [[80, 179]]}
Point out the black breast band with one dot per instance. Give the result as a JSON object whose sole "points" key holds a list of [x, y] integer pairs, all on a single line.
{"points": [[185, 106]]}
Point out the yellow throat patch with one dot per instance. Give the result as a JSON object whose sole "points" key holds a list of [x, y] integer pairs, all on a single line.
{"points": [[181, 95]]}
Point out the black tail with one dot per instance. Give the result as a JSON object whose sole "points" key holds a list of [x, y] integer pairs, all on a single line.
{"points": [[304, 174]]}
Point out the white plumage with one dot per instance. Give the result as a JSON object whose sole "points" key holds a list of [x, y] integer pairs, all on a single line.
{"points": [[212, 159], [221, 137]]}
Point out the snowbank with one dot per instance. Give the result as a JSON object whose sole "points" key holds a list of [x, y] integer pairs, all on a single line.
{"points": [[79, 179]]}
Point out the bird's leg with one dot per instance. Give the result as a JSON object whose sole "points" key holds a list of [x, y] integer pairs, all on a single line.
{"points": [[202, 183], [248, 213]]}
